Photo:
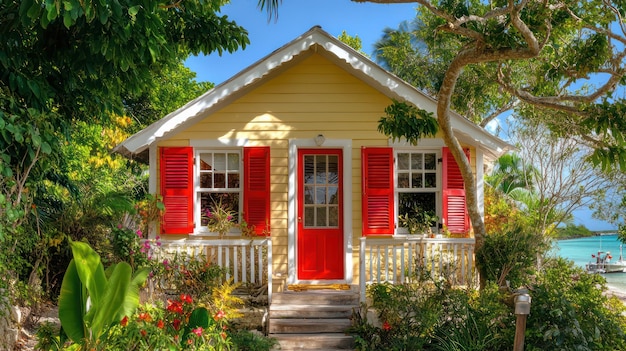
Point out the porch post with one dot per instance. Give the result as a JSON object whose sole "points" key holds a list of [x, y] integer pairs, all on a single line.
{"points": [[362, 270]]}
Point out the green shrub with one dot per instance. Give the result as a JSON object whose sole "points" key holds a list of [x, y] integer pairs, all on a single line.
{"points": [[570, 311], [245, 340], [511, 255]]}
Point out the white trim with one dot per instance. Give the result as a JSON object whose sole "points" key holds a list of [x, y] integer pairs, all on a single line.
{"points": [[220, 143], [480, 182], [153, 156], [422, 143], [294, 145]]}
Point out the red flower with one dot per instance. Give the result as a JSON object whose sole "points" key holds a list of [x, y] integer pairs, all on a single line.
{"points": [[176, 324], [197, 331], [174, 306], [189, 341], [160, 324], [186, 298], [223, 335], [219, 315], [145, 316], [124, 321], [386, 326], [143, 333]]}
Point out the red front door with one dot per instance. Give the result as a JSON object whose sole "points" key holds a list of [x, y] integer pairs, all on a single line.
{"points": [[320, 243]]}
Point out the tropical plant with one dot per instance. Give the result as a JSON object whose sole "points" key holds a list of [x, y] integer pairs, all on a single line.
{"points": [[92, 300], [571, 311], [180, 325]]}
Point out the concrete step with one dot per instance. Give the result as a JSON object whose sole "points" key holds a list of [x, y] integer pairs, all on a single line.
{"points": [[314, 342], [307, 326], [318, 297], [310, 311]]}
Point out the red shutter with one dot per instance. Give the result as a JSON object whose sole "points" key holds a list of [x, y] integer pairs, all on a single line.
{"points": [[377, 196], [177, 190], [256, 189], [455, 216]]}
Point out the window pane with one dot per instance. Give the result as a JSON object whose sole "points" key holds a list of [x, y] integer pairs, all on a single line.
{"points": [[321, 217], [309, 216], [416, 179], [309, 169], [333, 216], [308, 195], [208, 202], [430, 161], [403, 161], [333, 195], [416, 161], [219, 162], [320, 195], [233, 180], [430, 180], [333, 169], [403, 180], [206, 180], [320, 169], [220, 180], [233, 162], [416, 202], [206, 162]]}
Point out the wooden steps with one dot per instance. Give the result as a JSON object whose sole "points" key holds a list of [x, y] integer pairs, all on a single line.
{"points": [[312, 320]]}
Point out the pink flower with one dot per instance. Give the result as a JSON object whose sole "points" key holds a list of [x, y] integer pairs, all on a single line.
{"points": [[119, 226], [139, 233], [197, 331], [230, 218], [166, 262]]}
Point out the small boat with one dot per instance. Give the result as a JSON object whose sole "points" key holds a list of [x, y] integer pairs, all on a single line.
{"points": [[603, 263]]}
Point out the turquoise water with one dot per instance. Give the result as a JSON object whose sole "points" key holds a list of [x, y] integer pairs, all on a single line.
{"points": [[580, 250]]}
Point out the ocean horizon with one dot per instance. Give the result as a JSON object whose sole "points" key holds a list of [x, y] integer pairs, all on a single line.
{"points": [[579, 251]]}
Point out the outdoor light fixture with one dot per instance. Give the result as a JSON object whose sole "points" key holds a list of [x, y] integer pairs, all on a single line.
{"points": [[319, 139], [522, 310]]}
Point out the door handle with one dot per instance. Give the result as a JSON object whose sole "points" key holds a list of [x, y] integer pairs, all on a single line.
{"points": [[299, 219]]}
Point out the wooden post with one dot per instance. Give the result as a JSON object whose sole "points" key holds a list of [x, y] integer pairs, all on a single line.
{"points": [[520, 330], [522, 310]]}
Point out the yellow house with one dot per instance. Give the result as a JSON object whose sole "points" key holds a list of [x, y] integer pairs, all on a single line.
{"points": [[291, 145]]}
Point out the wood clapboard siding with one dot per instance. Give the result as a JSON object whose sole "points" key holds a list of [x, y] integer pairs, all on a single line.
{"points": [[315, 96]]}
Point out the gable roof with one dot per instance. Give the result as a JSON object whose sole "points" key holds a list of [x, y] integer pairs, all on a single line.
{"points": [[315, 40]]}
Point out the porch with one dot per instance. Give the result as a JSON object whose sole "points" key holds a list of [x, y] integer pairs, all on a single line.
{"points": [[381, 259], [398, 259]]}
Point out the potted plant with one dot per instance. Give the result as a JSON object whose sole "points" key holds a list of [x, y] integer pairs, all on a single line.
{"points": [[419, 221]]}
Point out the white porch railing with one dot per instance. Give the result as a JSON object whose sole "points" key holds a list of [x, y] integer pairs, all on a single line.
{"points": [[244, 260], [396, 260]]}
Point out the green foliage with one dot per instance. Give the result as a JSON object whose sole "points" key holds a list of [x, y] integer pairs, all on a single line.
{"points": [[127, 246], [91, 301], [570, 311], [353, 42], [572, 231], [47, 337], [429, 315], [245, 340], [511, 254], [418, 221], [410, 122], [192, 275]]}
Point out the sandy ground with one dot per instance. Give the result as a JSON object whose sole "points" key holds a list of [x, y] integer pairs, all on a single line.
{"points": [[620, 294]]}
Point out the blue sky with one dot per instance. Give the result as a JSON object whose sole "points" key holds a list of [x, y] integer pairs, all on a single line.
{"points": [[365, 20]]}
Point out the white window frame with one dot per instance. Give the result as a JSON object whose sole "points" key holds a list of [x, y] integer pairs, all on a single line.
{"points": [[199, 229], [437, 190]]}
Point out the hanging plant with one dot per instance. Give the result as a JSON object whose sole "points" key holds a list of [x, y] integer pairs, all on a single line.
{"points": [[408, 121]]}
